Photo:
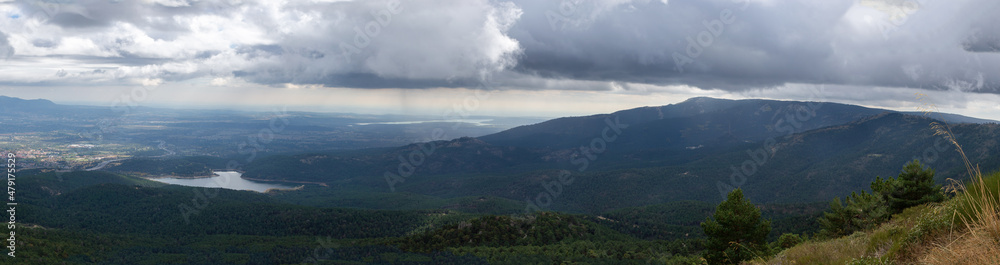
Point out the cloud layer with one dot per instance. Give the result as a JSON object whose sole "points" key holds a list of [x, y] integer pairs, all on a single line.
{"points": [[362, 43], [613, 45]]}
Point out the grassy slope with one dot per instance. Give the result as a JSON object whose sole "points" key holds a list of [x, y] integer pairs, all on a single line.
{"points": [[927, 234]]}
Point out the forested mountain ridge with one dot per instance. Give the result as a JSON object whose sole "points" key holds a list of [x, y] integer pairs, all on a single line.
{"points": [[695, 122], [819, 164], [462, 155]]}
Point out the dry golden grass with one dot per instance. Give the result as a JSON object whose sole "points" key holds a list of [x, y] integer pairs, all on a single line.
{"points": [[972, 248], [980, 241], [837, 251], [982, 203]]}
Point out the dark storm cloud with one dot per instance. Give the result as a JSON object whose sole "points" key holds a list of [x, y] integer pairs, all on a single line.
{"points": [[154, 18], [768, 44], [719, 44], [985, 37]]}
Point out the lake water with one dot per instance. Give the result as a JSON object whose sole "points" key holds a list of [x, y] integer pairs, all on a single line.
{"points": [[224, 179]]}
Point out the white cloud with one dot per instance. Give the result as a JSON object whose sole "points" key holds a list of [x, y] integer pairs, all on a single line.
{"points": [[275, 42], [587, 47], [151, 82]]}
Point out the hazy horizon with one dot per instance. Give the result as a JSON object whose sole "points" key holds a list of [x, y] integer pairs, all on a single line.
{"points": [[548, 59], [430, 113]]}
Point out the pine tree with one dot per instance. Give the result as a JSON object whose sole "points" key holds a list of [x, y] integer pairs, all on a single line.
{"points": [[862, 211], [913, 186], [837, 221], [737, 233]]}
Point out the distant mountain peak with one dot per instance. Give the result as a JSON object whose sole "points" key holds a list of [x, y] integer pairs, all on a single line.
{"points": [[703, 100], [6, 99], [698, 121], [9, 104]]}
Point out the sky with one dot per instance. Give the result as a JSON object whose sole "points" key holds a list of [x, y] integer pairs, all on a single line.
{"points": [[506, 58]]}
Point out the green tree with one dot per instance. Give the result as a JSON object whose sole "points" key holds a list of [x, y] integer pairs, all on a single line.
{"points": [[737, 232], [862, 211], [836, 221], [913, 186]]}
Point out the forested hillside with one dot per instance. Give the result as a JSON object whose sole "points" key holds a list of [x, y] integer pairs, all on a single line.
{"points": [[786, 170]]}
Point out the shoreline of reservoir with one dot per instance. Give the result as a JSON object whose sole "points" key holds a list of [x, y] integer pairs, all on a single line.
{"points": [[224, 179]]}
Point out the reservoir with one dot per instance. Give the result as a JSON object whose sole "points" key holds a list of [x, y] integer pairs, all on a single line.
{"points": [[223, 179]]}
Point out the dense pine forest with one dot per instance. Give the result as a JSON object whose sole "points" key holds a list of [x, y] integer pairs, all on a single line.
{"points": [[97, 217]]}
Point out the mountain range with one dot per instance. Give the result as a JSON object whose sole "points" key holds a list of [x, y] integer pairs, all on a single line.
{"points": [[628, 187], [777, 151]]}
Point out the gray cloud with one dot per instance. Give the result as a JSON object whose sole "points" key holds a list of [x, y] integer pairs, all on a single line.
{"points": [[768, 44], [530, 44], [74, 20], [6, 51], [43, 43]]}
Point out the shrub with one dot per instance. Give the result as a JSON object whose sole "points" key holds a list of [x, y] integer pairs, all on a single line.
{"points": [[787, 241]]}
